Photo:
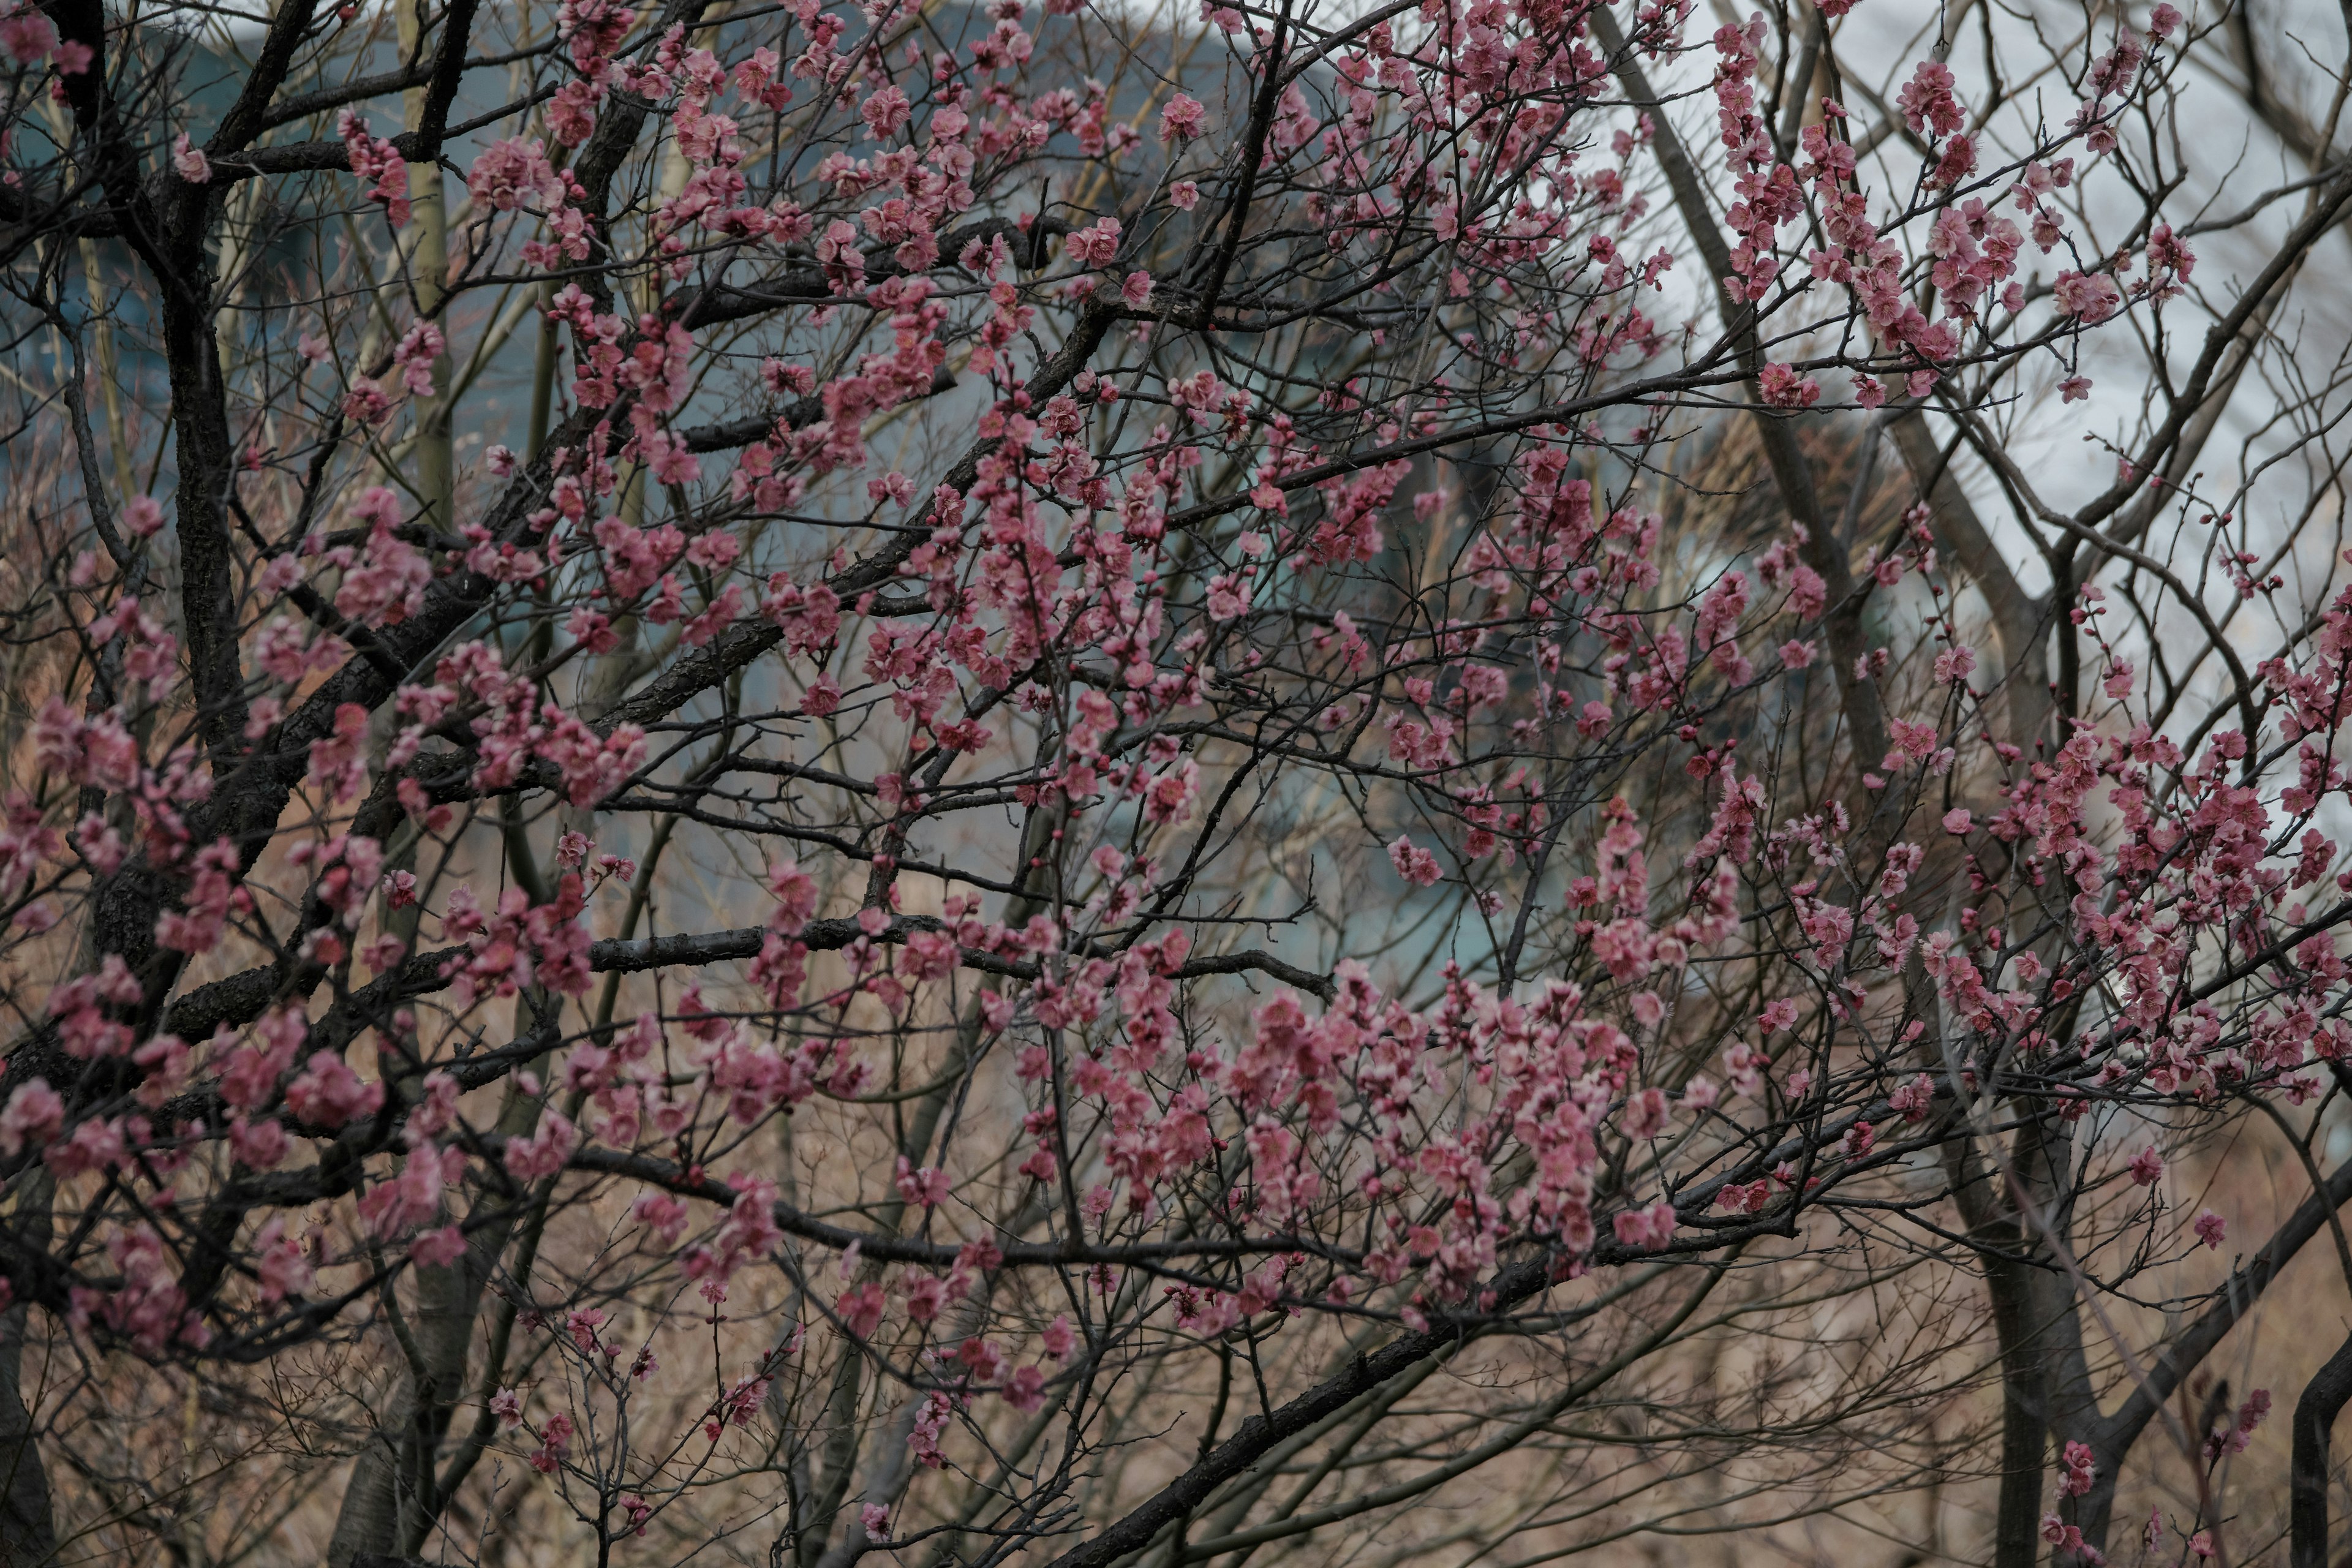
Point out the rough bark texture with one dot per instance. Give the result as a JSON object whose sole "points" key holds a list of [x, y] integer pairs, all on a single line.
{"points": [[28, 1535], [2315, 1417]]}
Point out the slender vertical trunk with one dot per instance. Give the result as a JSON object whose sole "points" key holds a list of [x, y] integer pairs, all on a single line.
{"points": [[28, 1533], [207, 566], [109, 371], [2044, 1380], [2307, 1471], [391, 1502], [237, 213], [378, 1500], [2017, 1516], [381, 1500], [436, 466], [543, 378], [2094, 1509], [101, 323]]}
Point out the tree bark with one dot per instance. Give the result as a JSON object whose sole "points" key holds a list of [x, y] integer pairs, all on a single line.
{"points": [[379, 1502], [2044, 1381], [28, 1533], [2307, 1473], [392, 1501]]}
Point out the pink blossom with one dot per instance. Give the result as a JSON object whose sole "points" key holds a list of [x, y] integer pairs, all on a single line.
{"points": [[28, 36], [1413, 863], [33, 1115], [339, 760], [260, 1145], [413, 1197], [329, 1093], [592, 765], [438, 1248], [414, 356], [97, 751], [149, 1307], [1183, 119], [282, 1267], [1651, 1229], [581, 1325], [1929, 102], [1025, 1389], [924, 1188], [545, 1153], [378, 162], [554, 1437], [885, 111], [1644, 1115], [2077, 1469], [189, 163], [1095, 245], [1783, 388], [859, 1307], [2056, 1531], [1912, 1100], [2092, 299], [513, 173]]}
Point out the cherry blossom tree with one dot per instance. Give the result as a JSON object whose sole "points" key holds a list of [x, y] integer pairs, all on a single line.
{"points": [[809, 781]]}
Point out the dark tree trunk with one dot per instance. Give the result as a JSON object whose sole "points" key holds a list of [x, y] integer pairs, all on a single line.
{"points": [[2315, 1415], [28, 1531]]}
